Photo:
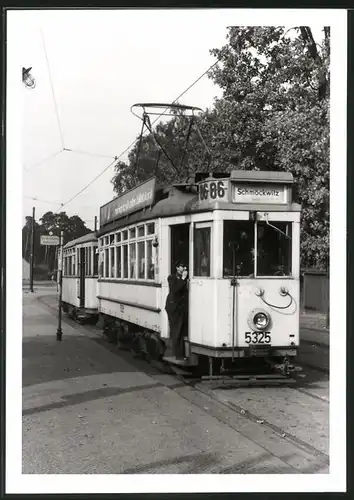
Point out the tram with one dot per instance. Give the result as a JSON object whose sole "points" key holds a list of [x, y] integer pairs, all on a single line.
{"points": [[80, 274], [239, 233]]}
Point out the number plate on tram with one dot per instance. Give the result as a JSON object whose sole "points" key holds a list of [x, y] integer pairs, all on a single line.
{"points": [[258, 338]]}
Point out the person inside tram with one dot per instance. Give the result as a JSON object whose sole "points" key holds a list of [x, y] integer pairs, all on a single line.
{"points": [[177, 308]]}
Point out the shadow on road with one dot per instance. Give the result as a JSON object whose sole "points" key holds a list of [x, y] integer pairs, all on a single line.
{"points": [[45, 359]]}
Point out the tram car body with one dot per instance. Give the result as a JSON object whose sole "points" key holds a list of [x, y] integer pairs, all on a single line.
{"points": [[80, 274], [239, 234]]}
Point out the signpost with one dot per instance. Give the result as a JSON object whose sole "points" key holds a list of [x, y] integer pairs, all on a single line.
{"points": [[50, 240]]}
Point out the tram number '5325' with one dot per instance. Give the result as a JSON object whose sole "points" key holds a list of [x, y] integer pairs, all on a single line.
{"points": [[257, 337], [212, 190]]}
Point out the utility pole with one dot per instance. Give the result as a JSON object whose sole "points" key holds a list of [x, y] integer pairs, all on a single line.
{"points": [[60, 272], [32, 251], [95, 226]]}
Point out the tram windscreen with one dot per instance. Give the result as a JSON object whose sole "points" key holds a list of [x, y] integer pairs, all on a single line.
{"points": [[274, 249], [238, 248]]}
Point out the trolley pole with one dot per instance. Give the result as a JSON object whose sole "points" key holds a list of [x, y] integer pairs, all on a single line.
{"points": [[60, 273], [32, 251]]}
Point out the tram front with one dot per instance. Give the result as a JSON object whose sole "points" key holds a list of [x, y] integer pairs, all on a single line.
{"points": [[256, 267]]}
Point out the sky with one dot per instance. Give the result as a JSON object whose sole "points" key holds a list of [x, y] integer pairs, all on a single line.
{"points": [[90, 67]]}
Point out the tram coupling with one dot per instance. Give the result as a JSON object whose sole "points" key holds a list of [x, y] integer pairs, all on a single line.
{"points": [[286, 368]]}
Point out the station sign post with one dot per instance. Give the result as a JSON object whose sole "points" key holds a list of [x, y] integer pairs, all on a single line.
{"points": [[50, 240]]}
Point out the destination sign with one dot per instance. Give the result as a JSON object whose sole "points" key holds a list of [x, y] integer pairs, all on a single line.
{"points": [[135, 199], [256, 193], [49, 240]]}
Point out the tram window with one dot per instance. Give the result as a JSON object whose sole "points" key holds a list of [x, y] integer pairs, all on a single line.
{"points": [[95, 261], [112, 273], [118, 237], [274, 249], [132, 233], [150, 228], [85, 261], [125, 261], [106, 240], [238, 237], [111, 239], [125, 235], [106, 263], [132, 260], [90, 250], [118, 262], [141, 259], [202, 251], [149, 261], [141, 231], [101, 267], [74, 268]]}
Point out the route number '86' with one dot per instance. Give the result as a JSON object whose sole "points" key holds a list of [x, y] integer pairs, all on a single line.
{"points": [[257, 337], [212, 190]]}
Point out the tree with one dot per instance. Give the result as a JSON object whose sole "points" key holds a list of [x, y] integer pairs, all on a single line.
{"points": [[45, 256], [273, 115], [73, 226], [276, 103]]}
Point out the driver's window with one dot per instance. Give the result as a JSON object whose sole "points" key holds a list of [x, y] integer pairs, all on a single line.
{"points": [[274, 249]]}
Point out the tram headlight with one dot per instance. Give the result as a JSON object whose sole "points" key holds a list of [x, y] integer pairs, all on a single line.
{"points": [[261, 320]]}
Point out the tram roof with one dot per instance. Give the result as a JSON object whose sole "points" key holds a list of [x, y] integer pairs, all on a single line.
{"points": [[181, 201], [82, 239]]}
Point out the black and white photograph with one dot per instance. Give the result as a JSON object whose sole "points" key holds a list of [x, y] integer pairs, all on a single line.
{"points": [[176, 182]]}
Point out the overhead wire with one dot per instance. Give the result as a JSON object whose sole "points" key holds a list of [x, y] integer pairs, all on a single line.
{"points": [[58, 120], [43, 201], [87, 153], [43, 161], [89, 184], [53, 93], [136, 140]]}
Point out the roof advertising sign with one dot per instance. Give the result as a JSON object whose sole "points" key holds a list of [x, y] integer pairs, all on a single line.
{"points": [[140, 197]]}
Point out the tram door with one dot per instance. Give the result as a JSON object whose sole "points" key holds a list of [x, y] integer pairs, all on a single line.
{"points": [[82, 277], [179, 245]]}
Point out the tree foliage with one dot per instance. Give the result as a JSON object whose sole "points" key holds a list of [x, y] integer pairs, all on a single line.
{"points": [[273, 115], [44, 256]]}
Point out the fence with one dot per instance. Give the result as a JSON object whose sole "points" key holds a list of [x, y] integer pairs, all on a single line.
{"points": [[315, 290]]}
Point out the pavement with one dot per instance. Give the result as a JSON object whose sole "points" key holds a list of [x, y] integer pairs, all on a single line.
{"points": [[88, 409], [313, 328]]}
